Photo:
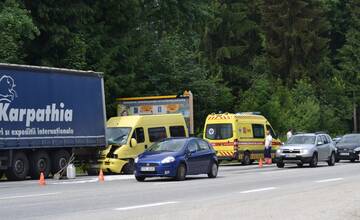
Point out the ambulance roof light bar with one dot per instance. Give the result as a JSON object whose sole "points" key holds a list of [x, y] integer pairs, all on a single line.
{"points": [[248, 113]]}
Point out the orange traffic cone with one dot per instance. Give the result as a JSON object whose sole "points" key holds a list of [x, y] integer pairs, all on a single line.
{"points": [[42, 179], [101, 176], [260, 163]]}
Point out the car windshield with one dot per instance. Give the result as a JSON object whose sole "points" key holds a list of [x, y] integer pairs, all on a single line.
{"points": [[219, 131], [117, 135], [173, 145], [301, 140], [350, 139]]}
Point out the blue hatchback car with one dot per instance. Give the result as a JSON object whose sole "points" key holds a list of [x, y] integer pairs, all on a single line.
{"points": [[177, 157]]}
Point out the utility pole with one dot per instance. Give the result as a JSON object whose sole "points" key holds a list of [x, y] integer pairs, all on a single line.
{"points": [[354, 116]]}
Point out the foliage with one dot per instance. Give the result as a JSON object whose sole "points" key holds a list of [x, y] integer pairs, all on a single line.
{"points": [[16, 28], [295, 38], [295, 61]]}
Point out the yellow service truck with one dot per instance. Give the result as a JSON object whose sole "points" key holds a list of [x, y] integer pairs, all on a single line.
{"points": [[239, 136], [129, 136]]}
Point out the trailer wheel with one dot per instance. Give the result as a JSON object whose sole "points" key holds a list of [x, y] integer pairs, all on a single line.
{"points": [[59, 160], [19, 167], [40, 162]]}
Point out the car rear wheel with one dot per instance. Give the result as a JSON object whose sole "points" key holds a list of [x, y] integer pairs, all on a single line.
{"points": [[314, 161], [140, 178], [331, 161], [213, 170], [280, 164], [300, 164], [181, 172], [352, 160]]}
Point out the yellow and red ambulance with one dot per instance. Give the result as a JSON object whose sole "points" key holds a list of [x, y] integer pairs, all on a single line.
{"points": [[239, 136]]}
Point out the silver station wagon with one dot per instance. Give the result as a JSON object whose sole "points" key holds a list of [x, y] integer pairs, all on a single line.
{"points": [[309, 148]]}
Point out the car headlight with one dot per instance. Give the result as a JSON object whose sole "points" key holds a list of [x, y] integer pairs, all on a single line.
{"points": [[278, 151], [136, 159], [304, 151], [168, 159]]}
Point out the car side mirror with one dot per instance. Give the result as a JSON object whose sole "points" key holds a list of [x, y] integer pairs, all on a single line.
{"points": [[133, 142], [320, 143], [190, 152]]}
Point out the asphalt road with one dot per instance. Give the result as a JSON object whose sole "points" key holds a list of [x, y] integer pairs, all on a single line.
{"points": [[239, 192]]}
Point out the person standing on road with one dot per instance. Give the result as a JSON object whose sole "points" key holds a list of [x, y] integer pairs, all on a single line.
{"points": [[289, 134], [267, 149]]}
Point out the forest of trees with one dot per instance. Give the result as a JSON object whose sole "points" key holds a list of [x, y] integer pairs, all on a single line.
{"points": [[295, 61]]}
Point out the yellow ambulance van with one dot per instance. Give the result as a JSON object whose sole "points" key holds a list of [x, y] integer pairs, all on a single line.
{"points": [[128, 136], [239, 136]]}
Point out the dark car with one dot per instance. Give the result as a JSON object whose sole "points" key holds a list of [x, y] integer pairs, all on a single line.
{"points": [[348, 147], [177, 157]]}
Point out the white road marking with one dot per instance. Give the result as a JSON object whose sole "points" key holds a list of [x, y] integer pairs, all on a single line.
{"points": [[144, 206], [119, 177], [258, 190], [28, 196], [328, 180], [165, 183], [93, 180], [74, 182]]}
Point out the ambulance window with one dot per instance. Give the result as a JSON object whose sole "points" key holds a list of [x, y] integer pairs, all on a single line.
{"points": [[177, 131], [139, 135], [156, 134], [219, 131], [258, 130]]}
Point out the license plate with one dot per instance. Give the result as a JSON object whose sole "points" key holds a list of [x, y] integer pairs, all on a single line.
{"points": [[147, 169], [290, 155], [344, 154]]}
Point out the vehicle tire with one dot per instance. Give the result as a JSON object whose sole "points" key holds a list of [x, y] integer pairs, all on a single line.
{"points": [[19, 169], [59, 160], [352, 160], [40, 162], [314, 161], [246, 158], [129, 167], [181, 172], [140, 178], [332, 160], [213, 170], [300, 164], [337, 160], [92, 172], [280, 164]]}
